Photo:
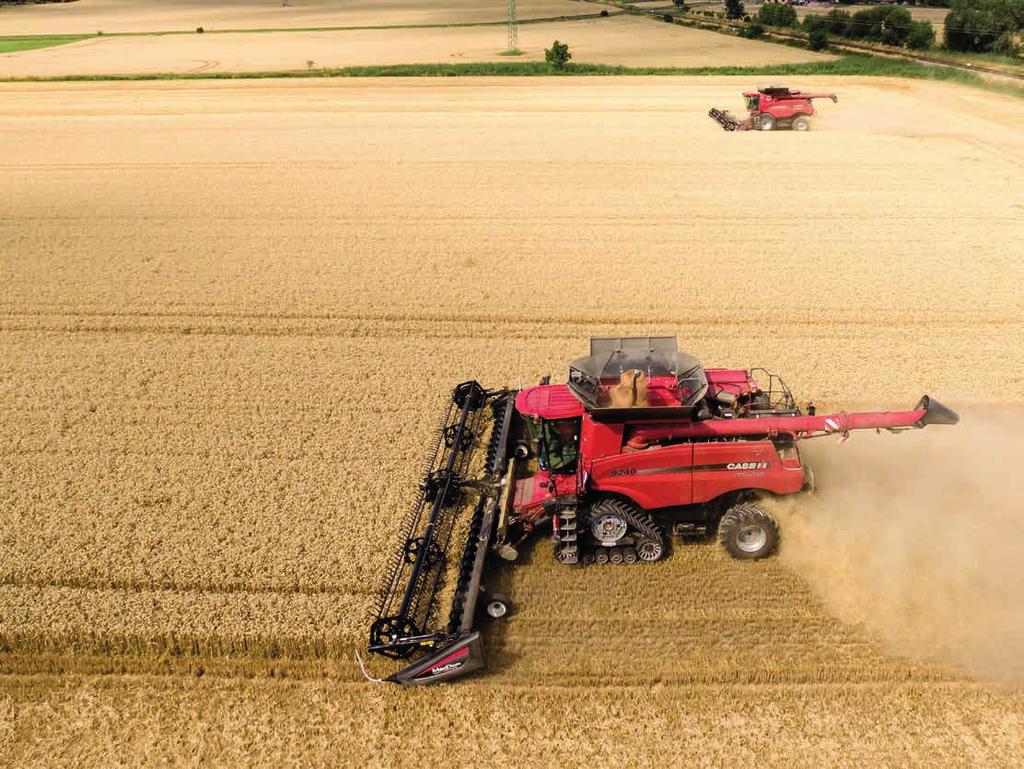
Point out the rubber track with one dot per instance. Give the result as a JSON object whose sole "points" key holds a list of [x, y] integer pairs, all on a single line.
{"points": [[639, 520]]}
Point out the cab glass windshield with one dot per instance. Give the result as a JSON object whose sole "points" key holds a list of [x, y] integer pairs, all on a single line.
{"points": [[559, 444]]}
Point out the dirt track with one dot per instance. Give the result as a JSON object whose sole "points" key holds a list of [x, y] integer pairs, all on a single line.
{"points": [[229, 309]]}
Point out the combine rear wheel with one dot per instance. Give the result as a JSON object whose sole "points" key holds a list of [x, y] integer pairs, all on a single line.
{"points": [[801, 123], [747, 532]]}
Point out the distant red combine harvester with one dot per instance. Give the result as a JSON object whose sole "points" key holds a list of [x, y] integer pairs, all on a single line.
{"points": [[773, 108]]}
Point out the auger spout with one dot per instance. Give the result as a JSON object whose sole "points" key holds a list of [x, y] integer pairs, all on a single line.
{"points": [[927, 412]]}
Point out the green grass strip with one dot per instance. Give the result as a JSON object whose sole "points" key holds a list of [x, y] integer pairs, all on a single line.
{"points": [[14, 44], [868, 66]]}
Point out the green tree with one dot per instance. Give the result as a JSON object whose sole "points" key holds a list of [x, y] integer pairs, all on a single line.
{"points": [[882, 24], [834, 22], [896, 26], [1005, 45], [558, 55], [978, 25], [734, 9], [818, 37], [777, 15], [921, 36]]}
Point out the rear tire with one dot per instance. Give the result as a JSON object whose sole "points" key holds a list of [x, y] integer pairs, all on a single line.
{"points": [[767, 122], [801, 123], [748, 533]]}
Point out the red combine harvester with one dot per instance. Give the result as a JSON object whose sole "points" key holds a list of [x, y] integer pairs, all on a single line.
{"points": [[641, 442], [773, 108]]}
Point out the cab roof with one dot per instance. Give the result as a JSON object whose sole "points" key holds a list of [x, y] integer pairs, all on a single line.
{"points": [[548, 402]]}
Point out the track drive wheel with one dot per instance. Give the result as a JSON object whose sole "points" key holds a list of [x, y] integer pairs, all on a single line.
{"points": [[767, 122], [801, 123], [748, 533], [614, 522]]}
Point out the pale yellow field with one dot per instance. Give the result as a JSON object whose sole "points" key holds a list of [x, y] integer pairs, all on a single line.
{"points": [[621, 40], [87, 16], [230, 311]]}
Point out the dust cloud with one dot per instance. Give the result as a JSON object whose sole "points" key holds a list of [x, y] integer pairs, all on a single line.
{"points": [[919, 537]]}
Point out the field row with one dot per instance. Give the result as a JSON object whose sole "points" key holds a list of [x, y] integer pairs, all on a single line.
{"points": [[157, 722]]}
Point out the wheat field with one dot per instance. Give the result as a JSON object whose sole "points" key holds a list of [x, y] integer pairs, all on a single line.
{"points": [[617, 40], [85, 17], [231, 312]]}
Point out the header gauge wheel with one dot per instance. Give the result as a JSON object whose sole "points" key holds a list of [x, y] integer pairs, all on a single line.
{"points": [[498, 606]]}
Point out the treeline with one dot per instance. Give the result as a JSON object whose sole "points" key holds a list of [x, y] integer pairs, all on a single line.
{"points": [[971, 25], [887, 24]]}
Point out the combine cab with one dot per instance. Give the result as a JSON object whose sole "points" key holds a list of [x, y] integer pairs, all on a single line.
{"points": [[641, 443], [773, 108]]}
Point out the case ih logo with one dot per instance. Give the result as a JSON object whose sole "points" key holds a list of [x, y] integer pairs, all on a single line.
{"points": [[747, 466]]}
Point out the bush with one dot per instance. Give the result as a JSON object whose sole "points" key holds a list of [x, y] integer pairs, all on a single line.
{"points": [[835, 22], [200, 30], [896, 26], [777, 15], [755, 29], [681, 5], [968, 29], [867, 24], [883, 24], [747, 18], [921, 36], [604, 13], [979, 25], [558, 55], [1005, 45], [667, 17], [734, 9], [818, 38]]}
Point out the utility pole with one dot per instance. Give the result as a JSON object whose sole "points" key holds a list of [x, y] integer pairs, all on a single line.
{"points": [[513, 29]]}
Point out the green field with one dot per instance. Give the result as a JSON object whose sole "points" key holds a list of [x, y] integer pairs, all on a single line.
{"points": [[15, 44]]}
